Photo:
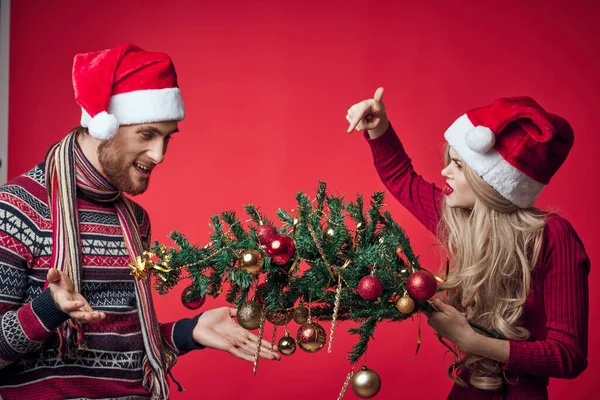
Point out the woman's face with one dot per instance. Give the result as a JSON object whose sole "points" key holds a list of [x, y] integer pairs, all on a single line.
{"points": [[458, 191]]}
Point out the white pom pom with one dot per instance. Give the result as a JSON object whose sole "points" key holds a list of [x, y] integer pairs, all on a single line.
{"points": [[103, 126], [480, 139]]}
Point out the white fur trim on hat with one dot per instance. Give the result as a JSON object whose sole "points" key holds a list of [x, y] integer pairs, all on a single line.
{"points": [[103, 126], [507, 180], [143, 106]]}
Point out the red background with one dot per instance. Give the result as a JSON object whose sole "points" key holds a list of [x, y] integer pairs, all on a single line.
{"points": [[267, 85]]}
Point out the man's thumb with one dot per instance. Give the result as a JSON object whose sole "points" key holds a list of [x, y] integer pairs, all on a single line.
{"points": [[53, 275]]}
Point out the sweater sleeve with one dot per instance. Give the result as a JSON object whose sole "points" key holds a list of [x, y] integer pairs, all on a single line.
{"points": [[24, 325], [563, 352], [178, 335], [419, 197]]}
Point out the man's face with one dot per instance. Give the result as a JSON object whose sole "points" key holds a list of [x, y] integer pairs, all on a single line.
{"points": [[127, 160]]}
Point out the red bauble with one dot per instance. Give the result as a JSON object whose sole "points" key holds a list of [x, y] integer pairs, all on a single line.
{"points": [[192, 304], [281, 249], [421, 285], [369, 288], [265, 233]]}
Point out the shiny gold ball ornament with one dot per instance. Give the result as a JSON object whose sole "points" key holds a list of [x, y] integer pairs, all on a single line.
{"points": [[248, 314], [300, 315], [311, 337], [366, 383], [405, 305], [279, 317], [251, 261], [286, 345]]}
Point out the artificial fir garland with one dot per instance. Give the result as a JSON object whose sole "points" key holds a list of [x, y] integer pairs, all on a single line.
{"points": [[330, 259]]}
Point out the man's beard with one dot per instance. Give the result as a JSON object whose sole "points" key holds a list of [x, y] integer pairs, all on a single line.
{"points": [[118, 170]]}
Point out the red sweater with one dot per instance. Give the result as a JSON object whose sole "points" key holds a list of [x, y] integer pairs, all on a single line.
{"points": [[556, 311]]}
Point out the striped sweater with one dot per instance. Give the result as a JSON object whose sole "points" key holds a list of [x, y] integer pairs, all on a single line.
{"points": [[556, 310], [30, 366]]}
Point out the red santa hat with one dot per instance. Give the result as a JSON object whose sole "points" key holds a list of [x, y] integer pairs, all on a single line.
{"points": [[123, 86], [514, 145]]}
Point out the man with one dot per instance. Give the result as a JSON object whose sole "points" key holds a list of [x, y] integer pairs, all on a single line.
{"points": [[74, 321]]}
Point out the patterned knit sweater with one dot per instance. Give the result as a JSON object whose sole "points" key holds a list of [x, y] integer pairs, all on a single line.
{"points": [[556, 310], [30, 366]]}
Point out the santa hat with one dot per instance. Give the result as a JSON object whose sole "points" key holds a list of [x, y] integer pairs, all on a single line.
{"points": [[514, 145], [123, 86]]}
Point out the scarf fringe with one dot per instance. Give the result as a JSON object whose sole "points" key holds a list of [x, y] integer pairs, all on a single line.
{"points": [[71, 339]]}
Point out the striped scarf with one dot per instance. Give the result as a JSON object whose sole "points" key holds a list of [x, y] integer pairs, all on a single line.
{"points": [[67, 170]]}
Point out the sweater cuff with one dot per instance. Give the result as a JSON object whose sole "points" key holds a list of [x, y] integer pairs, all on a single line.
{"points": [[512, 363], [387, 145], [182, 335], [42, 317]]}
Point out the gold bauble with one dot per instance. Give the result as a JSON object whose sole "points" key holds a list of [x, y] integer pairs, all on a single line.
{"points": [[279, 317], [405, 305], [251, 261], [248, 314], [311, 337], [286, 345], [301, 315], [366, 383]]}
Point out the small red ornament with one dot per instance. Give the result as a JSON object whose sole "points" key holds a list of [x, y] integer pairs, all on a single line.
{"points": [[369, 288], [421, 285], [281, 249], [265, 233], [192, 304]]}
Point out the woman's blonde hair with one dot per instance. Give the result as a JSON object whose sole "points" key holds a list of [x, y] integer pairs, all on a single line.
{"points": [[493, 249]]}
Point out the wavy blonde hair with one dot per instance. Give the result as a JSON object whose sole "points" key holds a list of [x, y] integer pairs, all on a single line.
{"points": [[493, 249]]}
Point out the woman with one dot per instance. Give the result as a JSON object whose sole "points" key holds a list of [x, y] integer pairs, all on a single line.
{"points": [[516, 270]]}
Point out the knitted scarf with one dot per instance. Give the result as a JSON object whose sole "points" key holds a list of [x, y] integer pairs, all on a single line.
{"points": [[67, 170]]}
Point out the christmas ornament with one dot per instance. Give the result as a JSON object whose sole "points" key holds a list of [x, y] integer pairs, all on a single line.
{"points": [[300, 315], [421, 285], [281, 249], [366, 383], [346, 382], [261, 331], [336, 309], [311, 337], [279, 317], [286, 345], [405, 305], [248, 314], [329, 232], [144, 264], [370, 288], [265, 233], [251, 261], [194, 303]]}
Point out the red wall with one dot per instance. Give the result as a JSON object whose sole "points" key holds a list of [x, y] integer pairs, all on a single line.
{"points": [[266, 86]]}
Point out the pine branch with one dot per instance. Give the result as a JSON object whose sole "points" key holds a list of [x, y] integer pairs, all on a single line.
{"points": [[331, 237]]}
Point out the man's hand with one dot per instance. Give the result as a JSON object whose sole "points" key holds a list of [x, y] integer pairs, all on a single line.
{"points": [[216, 329], [68, 300]]}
